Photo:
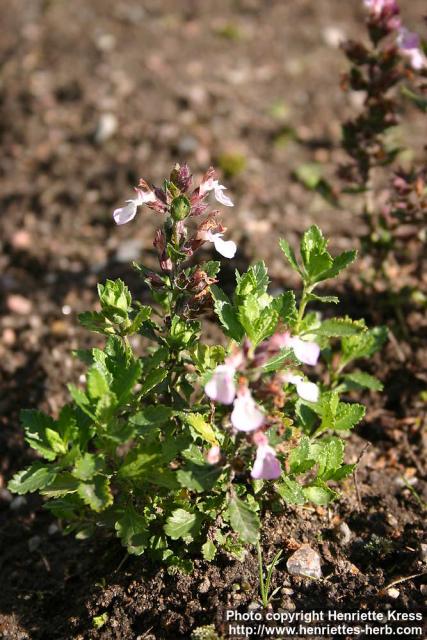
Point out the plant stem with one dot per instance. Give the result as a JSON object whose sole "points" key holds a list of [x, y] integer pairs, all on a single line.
{"points": [[307, 289], [264, 596]]}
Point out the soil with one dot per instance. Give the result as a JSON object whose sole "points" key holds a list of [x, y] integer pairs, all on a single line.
{"points": [[93, 95]]}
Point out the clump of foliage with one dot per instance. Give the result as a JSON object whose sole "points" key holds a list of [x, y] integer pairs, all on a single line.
{"points": [[180, 450]]}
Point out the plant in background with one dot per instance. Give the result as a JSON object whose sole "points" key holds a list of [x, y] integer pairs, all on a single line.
{"points": [[181, 449], [382, 70]]}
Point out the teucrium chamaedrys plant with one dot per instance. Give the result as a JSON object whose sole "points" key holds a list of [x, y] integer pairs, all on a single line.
{"points": [[183, 448]]}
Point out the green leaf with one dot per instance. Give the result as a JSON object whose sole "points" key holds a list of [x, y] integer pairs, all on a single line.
{"points": [[419, 101], [254, 282], [183, 524], [312, 297], [41, 434], [62, 485], [290, 255], [244, 520], [339, 327], [96, 494], [342, 261], [35, 477], [208, 551], [87, 466], [198, 477], [285, 305], [363, 345], [226, 314], [300, 459], [291, 491], [344, 471], [152, 380], [364, 380], [319, 494], [115, 300], [278, 361], [131, 528], [97, 383], [151, 416], [201, 427], [330, 458], [96, 321], [348, 415]]}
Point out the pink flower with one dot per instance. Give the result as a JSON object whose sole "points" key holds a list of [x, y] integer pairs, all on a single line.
{"points": [[306, 352], [410, 46], [226, 248], [127, 213], [305, 389], [378, 6], [213, 185], [266, 465], [214, 455], [246, 414], [221, 387]]}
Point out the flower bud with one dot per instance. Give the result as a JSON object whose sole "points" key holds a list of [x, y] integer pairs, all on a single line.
{"points": [[180, 208]]}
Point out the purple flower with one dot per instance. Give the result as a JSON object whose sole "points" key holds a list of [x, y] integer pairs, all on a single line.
{"points": [[214, 454], [378, 6], [266, 465], [211, 184], [127, 213], [222, 387], [246, 414], [410, 46], [306, 352], [305, 389]]}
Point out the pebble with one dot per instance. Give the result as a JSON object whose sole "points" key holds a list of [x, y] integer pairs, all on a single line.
{"points": [[5, 495], [187, 145], [106, 127], [18, 304], [21, 239], [392, 520], [286, 591], [52, 529], [34, 543], [128, 250], [18, 502], [305, 562], [343, 533], [393, 593], [333, 36], [204, 585], [423, 552], [254, 606], [9, 337], [423, 589]]}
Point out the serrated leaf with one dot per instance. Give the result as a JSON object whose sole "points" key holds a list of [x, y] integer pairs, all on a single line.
{"points": [[312, 297], [131, 528], [244, 520], [339, 327], [321, 495], [183, 524], [363, 345], [41, 434], [330, 458], [290, 255], [96, 494], [87, 466], [203, 428], [300, 459], [151, 416], [254, 282], [348, 415], [97, 383], [227, 314], [152, 380], [290, 490], [95, 321], [342, 261], [285, 305], [35, 477], [278, 361], [364, 380], [208, 551], [62, 485], [198, 477], [344, 471]]}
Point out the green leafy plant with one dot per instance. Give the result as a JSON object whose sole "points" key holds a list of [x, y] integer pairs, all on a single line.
{"points": [[265, 577], [159, 447]]}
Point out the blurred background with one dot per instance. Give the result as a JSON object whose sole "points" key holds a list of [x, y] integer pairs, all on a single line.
{"points": [[95, 94]]}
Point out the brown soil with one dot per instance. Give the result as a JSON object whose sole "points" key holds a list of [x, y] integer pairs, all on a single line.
{"points": [[196, 81]]}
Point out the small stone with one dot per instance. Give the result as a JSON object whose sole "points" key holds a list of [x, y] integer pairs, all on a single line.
{"points": [[128, 250], [18, 304], [106, 128], [187, 145], [333, 36], [305, 562], [52, 529], [34, 543], [18, 503], [289, 605], [254, 606], [204, 585], [392, 520], [21, 239], [423, 552], [5, 495], [343, 533], [423, 589], [286, 591], [393, 593]]}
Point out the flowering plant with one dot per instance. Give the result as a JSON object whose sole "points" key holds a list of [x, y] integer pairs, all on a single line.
{"points": [[183, 448]]}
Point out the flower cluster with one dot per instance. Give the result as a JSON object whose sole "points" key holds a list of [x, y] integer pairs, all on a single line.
{"points": [[247, 415], [179, 200]]}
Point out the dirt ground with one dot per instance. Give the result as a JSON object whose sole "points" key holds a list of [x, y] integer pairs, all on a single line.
{"points": [[94, 94]]}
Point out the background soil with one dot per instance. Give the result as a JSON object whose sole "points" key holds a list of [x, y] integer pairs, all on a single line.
{"points": [[92, 96]]}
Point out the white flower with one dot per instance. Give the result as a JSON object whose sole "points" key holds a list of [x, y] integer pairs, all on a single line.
{"points": [[410, 46], [226, 248], [221, 387], [213, 185], [246, 415], [306, 390], [127, 213]]}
